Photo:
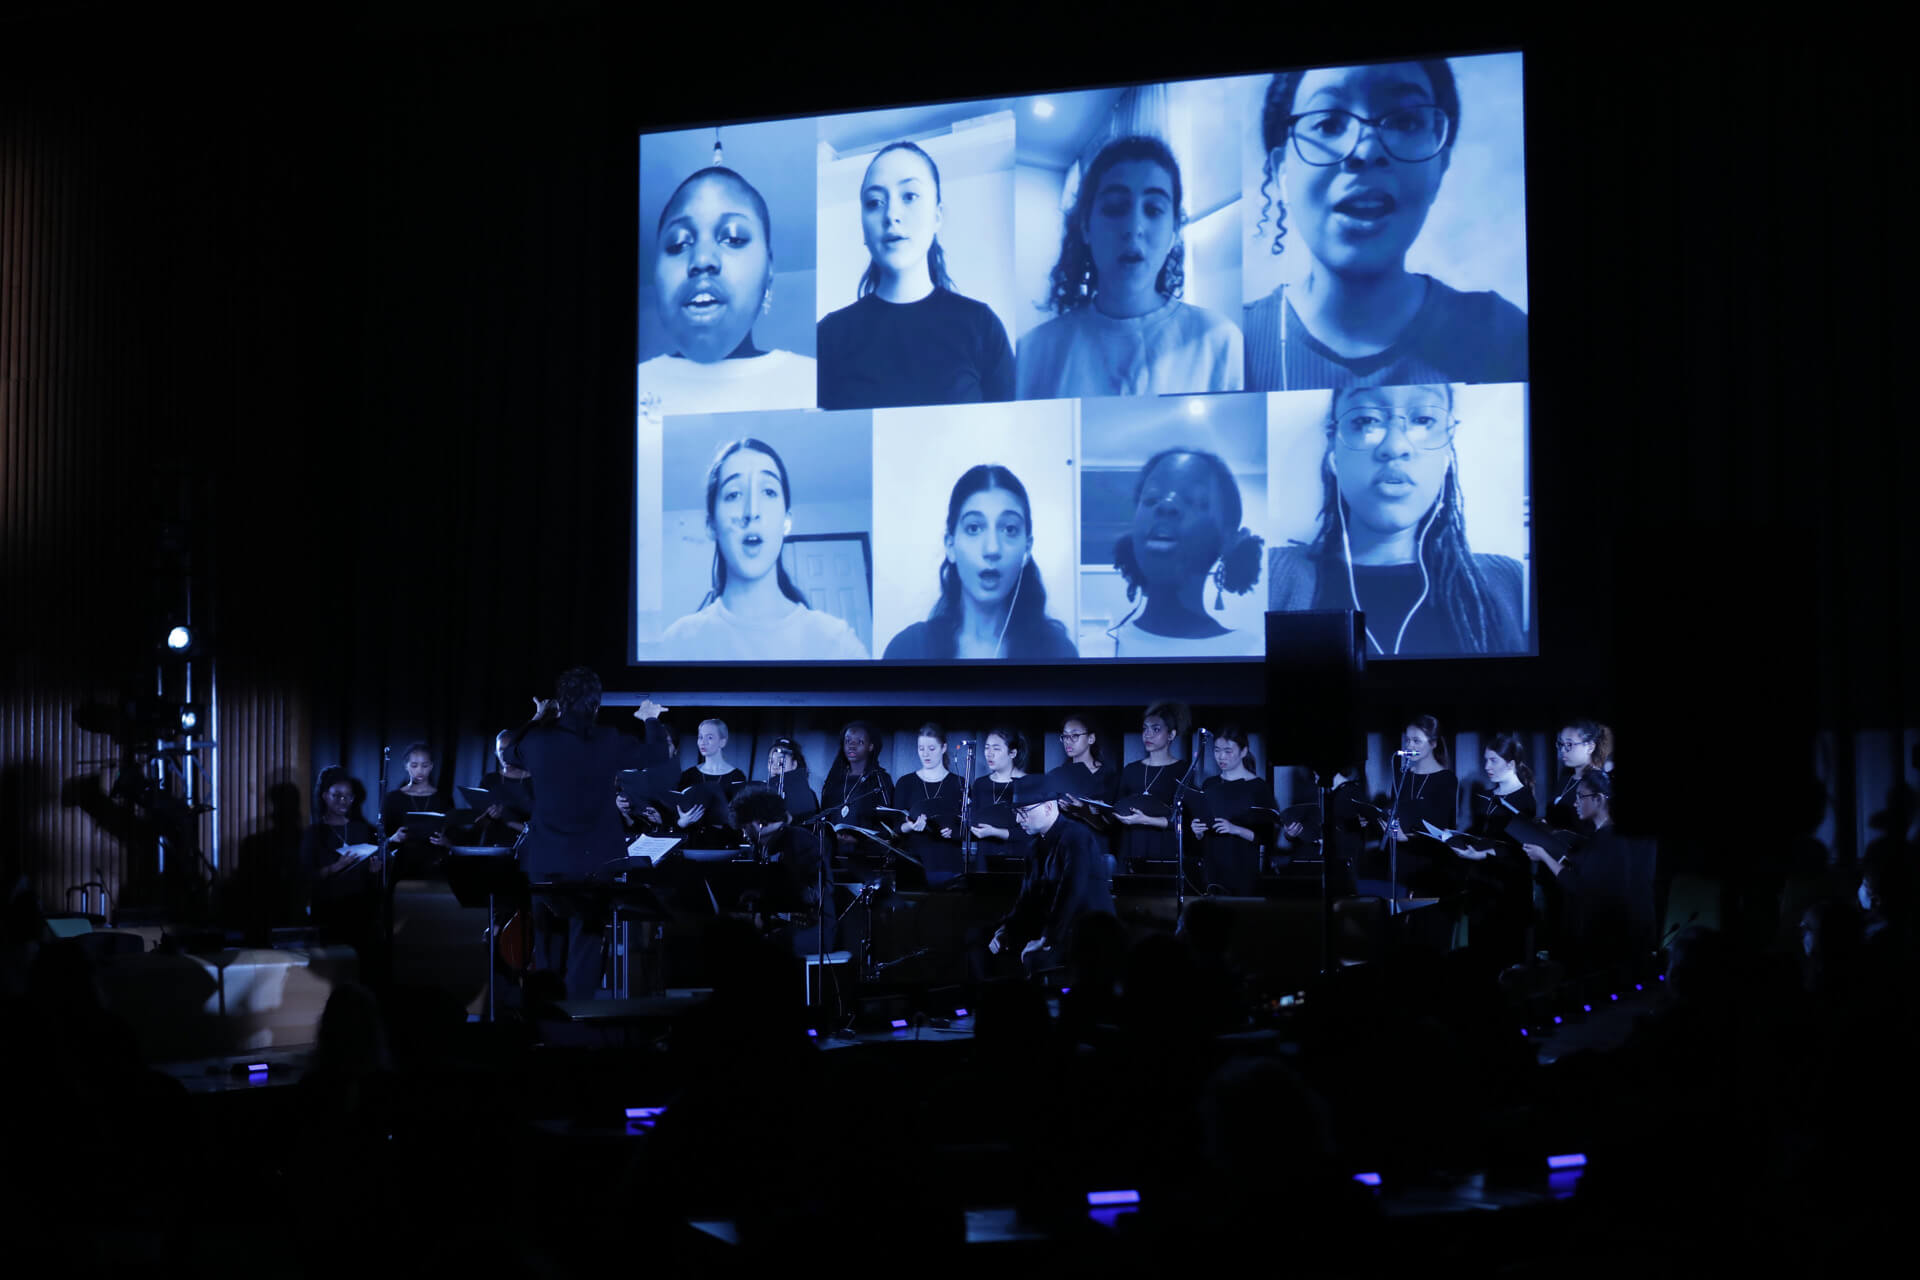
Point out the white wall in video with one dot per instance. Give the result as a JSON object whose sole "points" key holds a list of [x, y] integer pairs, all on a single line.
{"points": [[974, 531], [765, 549], [726, 270]]}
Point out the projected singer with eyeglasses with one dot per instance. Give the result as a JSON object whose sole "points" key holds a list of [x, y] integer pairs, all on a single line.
{"points": [[992, 602], [754, 611], [1355, 157], [1392, 538], [911, 338], [1119, 326], [712, 278]]}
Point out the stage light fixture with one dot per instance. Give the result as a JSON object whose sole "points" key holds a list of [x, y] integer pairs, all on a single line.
{"points": [[180, 639], [189, 718]]}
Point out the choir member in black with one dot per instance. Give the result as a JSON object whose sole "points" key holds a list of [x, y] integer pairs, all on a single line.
{"points": [[576, 828], [1606, 884], [1500, 884], [1342, 841], [1147, 789], [340, 888], [856, 785], [1583, 746], [703, 811], [1067, 880], [789, 897], [1233, 817], [649, 791], [931, 797], [787, 775], [415, 853], [1429, 792], [1085, 776], [1003, 750], [501, 822]]}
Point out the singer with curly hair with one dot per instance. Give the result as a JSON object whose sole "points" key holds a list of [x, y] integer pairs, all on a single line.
{"points": [[1186, 536], [1356, 155], [1392, 539], [1120, 327]]}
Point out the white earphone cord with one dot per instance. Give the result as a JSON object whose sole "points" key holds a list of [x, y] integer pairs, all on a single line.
{"points": [[1008, 620], [1420, 554]]}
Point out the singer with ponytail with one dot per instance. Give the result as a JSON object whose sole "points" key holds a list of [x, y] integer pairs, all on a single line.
{"points": [[931, 796], [1234, 816], [992, 602], [1186, 540], [911, 337], [754, 611], [1145, 803], [1499, 885], [1392, 539]]}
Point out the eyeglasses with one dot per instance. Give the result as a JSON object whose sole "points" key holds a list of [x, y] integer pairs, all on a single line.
{"points": [[1072, 737], [1585, 795], [1568, 744], [1410, 135], [1426, 426]]}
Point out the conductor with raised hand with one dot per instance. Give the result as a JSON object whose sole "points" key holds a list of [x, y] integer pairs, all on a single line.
{"points": [[576, 827]]}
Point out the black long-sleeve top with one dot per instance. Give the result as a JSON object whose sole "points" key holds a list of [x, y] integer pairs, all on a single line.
{"points": [[993, 807], [1148, 788], [795, 788], [940, 802], [576, 827], [320, 848], [851, 798], [1428, 797], [713, 791], [1076, 779], [1489, 813], [1069, 880], [1607, 884]]}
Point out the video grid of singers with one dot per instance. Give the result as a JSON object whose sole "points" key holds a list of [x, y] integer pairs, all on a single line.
{"points": [[1097, 375]]}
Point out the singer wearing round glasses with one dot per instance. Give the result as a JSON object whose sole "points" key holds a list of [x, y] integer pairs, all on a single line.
{"points": [[1356, 156], [1119, 327], [1186, 537], [911, 338], [992, 602], [1392, 541], [754, 612], [712, 278]]}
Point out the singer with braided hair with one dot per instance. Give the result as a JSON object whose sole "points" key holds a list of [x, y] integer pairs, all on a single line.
{"points": [[1392, 536], [1185, 537]]}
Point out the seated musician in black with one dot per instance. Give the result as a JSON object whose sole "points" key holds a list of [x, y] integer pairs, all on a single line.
{"points": [[575, 829], [790, 893], [1067, 879]]}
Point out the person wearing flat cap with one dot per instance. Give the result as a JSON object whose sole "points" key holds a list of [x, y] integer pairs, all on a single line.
{"points": [[1068, 878]]}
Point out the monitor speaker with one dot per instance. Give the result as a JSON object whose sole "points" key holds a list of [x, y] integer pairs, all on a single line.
{"points": [[1315, 661]]}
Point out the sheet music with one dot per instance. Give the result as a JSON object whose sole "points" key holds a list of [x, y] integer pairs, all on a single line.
{"points": [[652, 848], [355, 852]]}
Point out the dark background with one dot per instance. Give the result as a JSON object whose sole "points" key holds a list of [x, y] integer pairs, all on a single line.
{"points": [[359, 284]]}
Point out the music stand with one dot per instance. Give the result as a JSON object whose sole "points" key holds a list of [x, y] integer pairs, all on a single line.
{"points": [[628, 902], [477, 877]]}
